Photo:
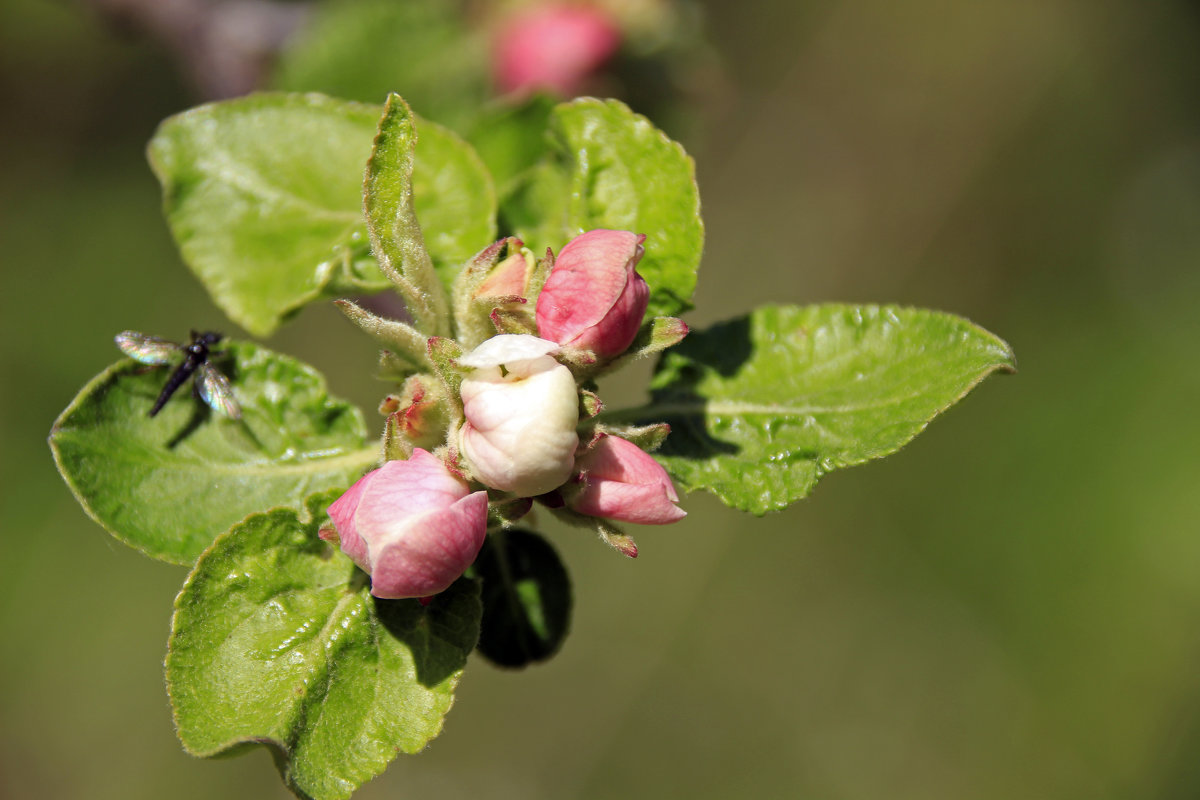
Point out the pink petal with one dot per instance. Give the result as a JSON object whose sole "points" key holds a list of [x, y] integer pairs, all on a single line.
{"points": [[594, 299], [623, 482], [646, 504], [342, 514], [433, 551], [404, 489]]}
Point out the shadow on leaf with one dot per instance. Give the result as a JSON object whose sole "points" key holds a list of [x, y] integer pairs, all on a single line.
{"points": [[723, 348], [439, 635], [200, 415]]}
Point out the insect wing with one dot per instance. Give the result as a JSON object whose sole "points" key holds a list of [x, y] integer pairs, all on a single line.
{"points": [[215, 390], [147, 349]]}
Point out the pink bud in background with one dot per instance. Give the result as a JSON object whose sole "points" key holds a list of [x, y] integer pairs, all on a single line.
{"points": [[413, 525], [553, 46], [622, 482], [594, 299]]}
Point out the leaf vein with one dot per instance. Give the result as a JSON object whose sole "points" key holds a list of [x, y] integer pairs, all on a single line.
{"points": [[240, 176]]}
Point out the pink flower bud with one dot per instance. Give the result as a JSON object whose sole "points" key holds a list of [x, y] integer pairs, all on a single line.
{"points": [[622, 482], [413, 525], [553, 46], [521, 408], [594, 300], [508, 279]]}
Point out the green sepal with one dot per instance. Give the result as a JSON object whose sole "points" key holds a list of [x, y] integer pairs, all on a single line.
{"points": [[406, 342], [277, 641], [590, 404], [506, 509], [647, 437], [396, 444], [418, 417], [444, 353], [541, 271], [168, 485], [653, 337], [617, 539], [609, 533], [526, 598], [392, 367], [517, 319]]}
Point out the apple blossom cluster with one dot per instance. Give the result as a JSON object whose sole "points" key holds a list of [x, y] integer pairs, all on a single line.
{"points": [[505, 419]]}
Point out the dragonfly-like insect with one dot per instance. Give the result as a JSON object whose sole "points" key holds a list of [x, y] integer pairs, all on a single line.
{"points": [[212, 386]]}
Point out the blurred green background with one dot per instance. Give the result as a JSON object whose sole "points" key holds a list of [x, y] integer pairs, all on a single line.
{"points": [[1009, 608]]}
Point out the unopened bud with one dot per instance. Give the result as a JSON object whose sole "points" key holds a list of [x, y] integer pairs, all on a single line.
{"points": [[521, 408], [621, 482], [491, 293], [594, 300], [412, 525]]}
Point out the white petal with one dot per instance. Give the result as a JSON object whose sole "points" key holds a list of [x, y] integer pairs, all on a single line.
{"points": [[506, 348], [520, 435]]}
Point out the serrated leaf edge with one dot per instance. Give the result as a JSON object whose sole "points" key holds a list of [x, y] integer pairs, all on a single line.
{"points": [[280, 751], [1005, 363], [236, 310], [559, 142], [367, 455]]}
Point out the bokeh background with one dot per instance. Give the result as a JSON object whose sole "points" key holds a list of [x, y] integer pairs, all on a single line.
{"points": [[1008, 608]]}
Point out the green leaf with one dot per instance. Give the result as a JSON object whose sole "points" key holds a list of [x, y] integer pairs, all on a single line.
{"points": [[510, 135], [169, 485], [762, 406], [460, 223], [534, 208], [611, 168], [263, 195], [277, 641], [455, 199], [396, 237], [526, 598], [364, 49]]}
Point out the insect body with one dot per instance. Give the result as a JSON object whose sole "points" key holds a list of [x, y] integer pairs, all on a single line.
{"points": [[212, 387]]}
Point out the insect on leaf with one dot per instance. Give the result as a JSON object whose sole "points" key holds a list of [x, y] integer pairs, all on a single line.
{"points": [[146, 349], [214, 389]]}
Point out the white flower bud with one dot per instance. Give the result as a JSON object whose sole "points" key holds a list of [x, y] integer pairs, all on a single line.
{"points": [[521, 408]]}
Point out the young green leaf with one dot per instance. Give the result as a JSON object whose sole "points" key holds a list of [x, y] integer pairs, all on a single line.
{"points": [[263, 195], [526, 598], [277, 641], [168, 485], [762, 406], [611, 168], [396, 237]]}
